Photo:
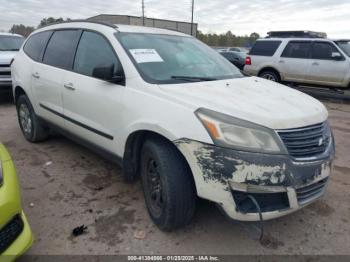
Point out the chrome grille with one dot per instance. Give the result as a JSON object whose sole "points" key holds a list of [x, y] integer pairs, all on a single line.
{"points": [[310, 192], [308, 141]]}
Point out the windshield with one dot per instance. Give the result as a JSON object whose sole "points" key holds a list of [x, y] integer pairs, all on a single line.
{"points": [[164, 59], [345, 46], [10, 43]]}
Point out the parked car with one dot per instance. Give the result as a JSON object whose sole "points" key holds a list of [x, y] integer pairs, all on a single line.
{"points": [[236, 58], [9, 46], [232, 49], [312, 61], [172, 110], [15, 233]]}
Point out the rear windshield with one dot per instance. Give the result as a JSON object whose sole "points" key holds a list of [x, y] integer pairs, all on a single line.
{"points": [[265, 48], [10, 43]]}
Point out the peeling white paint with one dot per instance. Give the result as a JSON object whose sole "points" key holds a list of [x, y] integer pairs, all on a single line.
{"points": [[251, 172]]}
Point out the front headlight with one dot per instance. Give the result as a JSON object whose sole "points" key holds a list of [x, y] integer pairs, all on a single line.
{"points": [[227, 131], [1, 177]]}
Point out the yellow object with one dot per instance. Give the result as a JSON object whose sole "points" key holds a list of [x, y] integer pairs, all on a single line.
{"points": [[12, 218]]}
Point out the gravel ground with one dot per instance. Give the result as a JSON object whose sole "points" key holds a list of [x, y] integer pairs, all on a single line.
{"points": [[65, 185]]}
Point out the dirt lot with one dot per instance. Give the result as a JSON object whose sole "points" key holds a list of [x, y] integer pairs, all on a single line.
{"points": [[65, 185]]}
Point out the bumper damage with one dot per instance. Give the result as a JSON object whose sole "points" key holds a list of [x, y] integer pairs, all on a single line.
{"points": [[279, 184]]}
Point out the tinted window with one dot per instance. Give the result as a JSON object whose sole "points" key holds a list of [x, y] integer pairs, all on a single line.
{"points": [[36, 44], [61, 47], [265, 48], [94, 51], [345, 46], [297, 50], [323, 50]]}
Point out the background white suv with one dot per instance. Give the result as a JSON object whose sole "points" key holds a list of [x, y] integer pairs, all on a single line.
{"points": [[9, 46], [315, 61], [171, 109]]}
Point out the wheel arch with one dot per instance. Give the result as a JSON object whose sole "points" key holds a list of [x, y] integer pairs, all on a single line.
{"points": [[18, 91], [270, 68], [132, 153]]}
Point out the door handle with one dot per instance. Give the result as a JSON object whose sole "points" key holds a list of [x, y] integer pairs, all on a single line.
{"points": [[315, 64], [281, 61], [36, 75], [69, 86]]}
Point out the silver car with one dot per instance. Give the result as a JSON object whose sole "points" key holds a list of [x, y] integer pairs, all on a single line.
{"points": [[315, 61], [9, 46]]}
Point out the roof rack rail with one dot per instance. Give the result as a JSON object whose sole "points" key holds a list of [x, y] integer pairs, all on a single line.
{"points": [[83, 21], [299, 34]]}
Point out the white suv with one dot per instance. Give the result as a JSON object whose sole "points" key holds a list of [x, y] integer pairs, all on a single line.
{"points": [[312, 61], [9, 46], [170, 109]]}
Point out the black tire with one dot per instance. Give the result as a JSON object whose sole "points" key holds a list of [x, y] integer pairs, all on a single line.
{"points": [[34, 130], [177, 196], [270, 75]]}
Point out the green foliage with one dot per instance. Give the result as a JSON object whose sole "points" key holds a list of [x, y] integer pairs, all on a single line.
{"points": [[227, 39], [51, 20], [21, 30]]}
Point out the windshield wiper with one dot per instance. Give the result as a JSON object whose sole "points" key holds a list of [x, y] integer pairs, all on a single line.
{"points": [[193, 78]]}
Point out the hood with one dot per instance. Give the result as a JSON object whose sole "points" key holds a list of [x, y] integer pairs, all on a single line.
{"points": [[6, 57], [253, 99]]}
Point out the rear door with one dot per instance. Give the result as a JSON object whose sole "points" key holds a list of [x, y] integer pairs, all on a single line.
{"points": [[48, 75], [328, 66], [92, 106], [294, 63]]}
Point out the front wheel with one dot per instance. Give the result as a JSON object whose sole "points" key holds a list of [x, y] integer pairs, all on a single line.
{"points": [[167, 184]]}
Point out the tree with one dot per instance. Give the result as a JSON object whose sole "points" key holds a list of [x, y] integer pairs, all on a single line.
{"points": [[227, 39], [51, 20], [21, 30]]}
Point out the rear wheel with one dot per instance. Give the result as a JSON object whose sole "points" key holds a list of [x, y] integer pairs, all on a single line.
{"points": [[167, 184], [32, 127], [270, 75]]}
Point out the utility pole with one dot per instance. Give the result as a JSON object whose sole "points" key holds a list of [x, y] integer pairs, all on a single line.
{"points": [[143, 12], [192, 17]]}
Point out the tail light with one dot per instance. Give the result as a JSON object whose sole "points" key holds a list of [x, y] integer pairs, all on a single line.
{"points": [[248, 60]]}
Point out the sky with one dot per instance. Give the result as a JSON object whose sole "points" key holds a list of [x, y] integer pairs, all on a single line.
{"points": [[240, 16]]}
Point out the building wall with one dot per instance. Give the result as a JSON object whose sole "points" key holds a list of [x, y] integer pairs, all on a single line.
{"points": [[151, 22]]}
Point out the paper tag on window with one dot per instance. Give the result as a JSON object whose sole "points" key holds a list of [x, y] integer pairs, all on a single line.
{"points": [[146, 55]]}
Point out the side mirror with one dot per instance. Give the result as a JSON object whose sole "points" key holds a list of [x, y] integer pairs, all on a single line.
{"points": [[107, 73], [337, 56]]}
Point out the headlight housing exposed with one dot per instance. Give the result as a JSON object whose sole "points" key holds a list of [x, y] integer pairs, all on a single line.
{"points": [[1, 176], [227, 131]]}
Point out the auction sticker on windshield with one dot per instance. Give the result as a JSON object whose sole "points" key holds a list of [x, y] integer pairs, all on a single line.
{"points": [[146, 55]]}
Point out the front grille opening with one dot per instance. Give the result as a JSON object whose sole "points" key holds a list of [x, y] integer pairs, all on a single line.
{"points": [[268, 202], [5, 73], [308, 141], [10, 232], [311, 192]]}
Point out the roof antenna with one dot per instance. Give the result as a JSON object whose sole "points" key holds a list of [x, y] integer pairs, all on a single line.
{"points": [[143, 12]]}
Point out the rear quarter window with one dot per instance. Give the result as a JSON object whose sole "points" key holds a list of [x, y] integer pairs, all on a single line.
{"points": [[265, 48], [35, 45]]}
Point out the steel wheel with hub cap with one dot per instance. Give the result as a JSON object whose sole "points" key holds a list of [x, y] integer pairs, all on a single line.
{"points": [[167, 184]]}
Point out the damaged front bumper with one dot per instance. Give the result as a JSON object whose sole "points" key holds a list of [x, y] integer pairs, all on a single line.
{"points": [[279, 184]]}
